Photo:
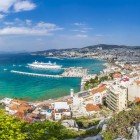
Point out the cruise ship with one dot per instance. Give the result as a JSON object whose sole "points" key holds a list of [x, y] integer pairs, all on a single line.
{"points": [[41, 65]]}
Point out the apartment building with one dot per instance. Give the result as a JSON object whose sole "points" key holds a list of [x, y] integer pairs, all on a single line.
{"points": [[116, 97]]}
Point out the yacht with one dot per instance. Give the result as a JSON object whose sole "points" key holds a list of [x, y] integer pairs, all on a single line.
{"points": [[41, 65]]}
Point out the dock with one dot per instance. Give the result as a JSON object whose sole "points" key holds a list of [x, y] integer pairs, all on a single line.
{"points": [[71, 72], [36, 74]]}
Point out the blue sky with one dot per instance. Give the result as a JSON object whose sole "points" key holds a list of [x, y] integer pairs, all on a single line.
{"points": [[44, 24]]}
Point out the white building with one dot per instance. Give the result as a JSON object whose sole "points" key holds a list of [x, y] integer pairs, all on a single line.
{"points": [[57, 116], [117, 97], [47, 113], [97, 98], [77, 100], [61, 109], [61, 105], [134, 91], [6, 101]]}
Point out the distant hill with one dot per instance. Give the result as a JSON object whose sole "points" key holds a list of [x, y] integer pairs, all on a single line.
{"points": [[88, 48], [106, 46]]}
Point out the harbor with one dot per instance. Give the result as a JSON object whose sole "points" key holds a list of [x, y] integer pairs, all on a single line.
{"points": [[49, 83]]}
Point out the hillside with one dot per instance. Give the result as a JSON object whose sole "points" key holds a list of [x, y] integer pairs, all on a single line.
{"points": [[89, 48], [123, 124], [120, 125]]}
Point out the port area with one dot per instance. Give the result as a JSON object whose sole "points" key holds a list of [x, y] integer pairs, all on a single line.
{"points": [[71, 72]]}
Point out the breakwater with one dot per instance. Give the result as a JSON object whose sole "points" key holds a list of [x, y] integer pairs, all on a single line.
{"points": [[36, 74], [71, 72]]}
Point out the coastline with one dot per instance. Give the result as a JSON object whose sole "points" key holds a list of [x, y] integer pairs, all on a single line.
{"points": [[83, 80]]}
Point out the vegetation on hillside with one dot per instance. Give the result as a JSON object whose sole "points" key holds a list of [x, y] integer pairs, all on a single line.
{"points": [[120, 124], [95, 82], [11, 128], [86, 122]]}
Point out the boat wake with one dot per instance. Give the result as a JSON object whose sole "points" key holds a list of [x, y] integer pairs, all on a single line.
{"points": [[36, 74]]}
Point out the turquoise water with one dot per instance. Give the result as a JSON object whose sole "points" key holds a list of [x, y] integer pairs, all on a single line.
{"points": [[39, 88]]}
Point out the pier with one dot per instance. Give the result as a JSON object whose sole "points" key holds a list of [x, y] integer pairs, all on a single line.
{"points": [[72, 72], [36, 74]]}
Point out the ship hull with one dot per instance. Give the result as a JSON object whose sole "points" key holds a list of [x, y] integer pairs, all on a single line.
{"points": [[44, 67]]}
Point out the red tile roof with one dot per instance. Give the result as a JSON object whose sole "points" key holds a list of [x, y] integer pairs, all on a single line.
{"points": [[99, 89], [91, 107], [138, 82], [117, 75], [137, 100]]}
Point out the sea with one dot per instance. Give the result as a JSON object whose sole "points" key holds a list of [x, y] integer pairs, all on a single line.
{"points": [[33, 88]]}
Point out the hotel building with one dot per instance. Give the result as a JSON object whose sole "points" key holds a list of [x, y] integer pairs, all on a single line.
{"points": [[117, 97]]}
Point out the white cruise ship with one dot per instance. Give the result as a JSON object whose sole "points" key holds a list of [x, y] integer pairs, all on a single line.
{"points": [[41, 65]]}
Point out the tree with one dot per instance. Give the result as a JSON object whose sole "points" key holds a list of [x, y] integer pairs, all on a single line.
{"points": [[48, 131], [11, 128], [104, 78]]}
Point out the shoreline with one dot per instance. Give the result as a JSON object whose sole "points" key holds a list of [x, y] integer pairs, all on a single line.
{"points": [[66, 96]]}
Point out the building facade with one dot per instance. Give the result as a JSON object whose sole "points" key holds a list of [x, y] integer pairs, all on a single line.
{"points": [[117, 98]]}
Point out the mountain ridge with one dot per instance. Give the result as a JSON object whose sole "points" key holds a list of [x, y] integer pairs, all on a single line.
{"points": [[103, 46]]}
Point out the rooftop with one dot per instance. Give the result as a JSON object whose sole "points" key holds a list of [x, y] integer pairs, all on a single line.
{"points": [[91, 107], [100, 89], [61, 105]]}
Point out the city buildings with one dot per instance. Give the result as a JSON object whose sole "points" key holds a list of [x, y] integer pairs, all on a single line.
{"points": [[117, 97], [121, 86]]}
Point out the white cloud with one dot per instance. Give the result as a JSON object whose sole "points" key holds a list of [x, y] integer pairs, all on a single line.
{"points": [[50, 26], [1, 16], [22, 31], [28, 22], [87, 28], [46, 25], [24, 6], [28, 28], [81, 35], [99, 35], [8, 23], [7, 6], [82, 31], [79, 24], [81, 28]]}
